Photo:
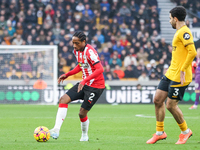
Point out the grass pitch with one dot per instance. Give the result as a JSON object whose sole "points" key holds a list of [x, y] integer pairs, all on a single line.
{"points": [[112, 127]]}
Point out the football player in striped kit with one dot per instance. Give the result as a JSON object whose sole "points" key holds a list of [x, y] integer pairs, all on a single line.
{"points": [[89, 89]]}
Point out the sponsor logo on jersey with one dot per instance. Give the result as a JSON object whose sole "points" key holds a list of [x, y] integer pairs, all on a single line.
{"points": [[186, 36], [83, 65], [173, 48]]}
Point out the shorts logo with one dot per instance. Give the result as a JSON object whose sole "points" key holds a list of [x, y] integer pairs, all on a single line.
{"points": [[174, 96], [186, 36]]}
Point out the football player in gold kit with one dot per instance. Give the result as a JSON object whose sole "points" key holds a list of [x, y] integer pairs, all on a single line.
{"points": [[177, 78]]}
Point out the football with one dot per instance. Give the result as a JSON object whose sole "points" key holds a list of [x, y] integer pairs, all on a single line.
{"points": [[41, 134]]}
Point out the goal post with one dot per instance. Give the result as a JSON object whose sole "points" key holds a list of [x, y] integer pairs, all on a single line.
{"points": [[28, 74]]}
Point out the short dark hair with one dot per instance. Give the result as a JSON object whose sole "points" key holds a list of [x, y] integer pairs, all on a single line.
{"points": [[179, 12], [81, 35]]}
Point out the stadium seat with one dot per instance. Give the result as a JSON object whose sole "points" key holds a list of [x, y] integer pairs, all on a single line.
{"points": [[29, 74], [78, 75], [128, 79], [66, 69]]}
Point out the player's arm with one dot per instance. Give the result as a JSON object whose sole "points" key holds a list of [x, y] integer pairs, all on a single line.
{"points": [[190, 57], [98, 70], [72, 72]]}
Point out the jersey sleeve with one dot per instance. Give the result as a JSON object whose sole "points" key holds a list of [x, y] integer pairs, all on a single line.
{"points": [[186, 37], [92, 56]]}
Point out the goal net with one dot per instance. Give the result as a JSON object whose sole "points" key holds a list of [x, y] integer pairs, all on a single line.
{"points": [[28, 74]]}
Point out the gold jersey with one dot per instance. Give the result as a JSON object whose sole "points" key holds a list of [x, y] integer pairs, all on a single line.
{"points": [[182, 55]]}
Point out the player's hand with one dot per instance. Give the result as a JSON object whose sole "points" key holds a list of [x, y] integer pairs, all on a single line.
{"points": [[182, 77], [62, 78], [80, 87]]}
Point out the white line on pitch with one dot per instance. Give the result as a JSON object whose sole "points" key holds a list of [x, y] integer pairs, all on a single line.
{"points": [[144, 116]]}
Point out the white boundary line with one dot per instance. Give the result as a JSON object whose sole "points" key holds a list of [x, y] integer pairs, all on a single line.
{"points": [[144, 116]]}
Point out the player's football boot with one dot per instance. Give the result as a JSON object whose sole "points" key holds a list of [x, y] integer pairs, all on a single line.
{"points": [[184, 137], [156, 138], [193, 107], [54, 133], [84, 138]]}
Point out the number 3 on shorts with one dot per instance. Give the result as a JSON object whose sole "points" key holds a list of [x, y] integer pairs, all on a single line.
{"points": [[176, 90]]}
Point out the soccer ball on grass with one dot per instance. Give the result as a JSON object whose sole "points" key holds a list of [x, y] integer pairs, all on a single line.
{"points": [[41, 134]]}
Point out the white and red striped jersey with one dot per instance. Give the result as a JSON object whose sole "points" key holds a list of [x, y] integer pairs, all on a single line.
{"points": [[86, 60]]}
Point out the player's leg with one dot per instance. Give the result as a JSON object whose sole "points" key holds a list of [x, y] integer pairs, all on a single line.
{"points": [[84, 124], [174, 96], [91, 95], [159, 101], [70, 95], [197, 91], [61, 114]]}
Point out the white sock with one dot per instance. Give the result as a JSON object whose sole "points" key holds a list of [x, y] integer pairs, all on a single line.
{"points": [[61, 114], [159, 132], [84, 127], [186, 131]]}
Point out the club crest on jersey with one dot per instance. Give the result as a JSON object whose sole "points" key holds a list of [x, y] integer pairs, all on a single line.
{"points": [[186, 36], [83, 65]]}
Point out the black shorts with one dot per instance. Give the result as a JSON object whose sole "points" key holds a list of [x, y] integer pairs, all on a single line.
{"points": [[89, 94], [175, 89]]}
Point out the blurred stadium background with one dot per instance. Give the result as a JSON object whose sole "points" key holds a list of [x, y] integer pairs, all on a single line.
{"points": [[132, 37]]}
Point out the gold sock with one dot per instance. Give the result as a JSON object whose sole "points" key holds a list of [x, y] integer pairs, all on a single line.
{"points": [[159, 126], [183, 126]]}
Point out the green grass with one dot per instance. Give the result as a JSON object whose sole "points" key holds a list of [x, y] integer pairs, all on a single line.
{"points": [[112, 127]]}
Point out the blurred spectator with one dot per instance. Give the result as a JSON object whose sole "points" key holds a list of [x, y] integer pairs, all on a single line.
{"points": [[142, 54], [118, 71], [25, 77], [100, 37], [159, 67], [106, 4], [96, 6], [25, 66], [117, 47], [165, 68], [129, 72], [70, 59], [106, 54], [152, 55], [13, 76], [30, 18], [138, 71], [86, 18], [195, 22], [88, 10], [11, 30], [115, 61], [80, 7], [124, 10], [2, 75], [19, 28], [49, 13], [148, 69], [153, 75], [111, 76], [6, 37], [143, 77], [130, 59], [18, 40], [123, 41], [3, 22]]}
